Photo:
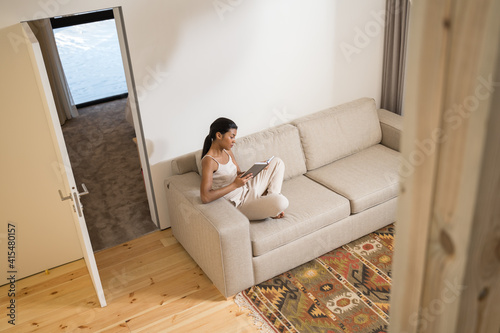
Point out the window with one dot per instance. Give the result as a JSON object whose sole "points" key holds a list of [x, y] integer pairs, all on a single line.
{"points": [[90, 55]]}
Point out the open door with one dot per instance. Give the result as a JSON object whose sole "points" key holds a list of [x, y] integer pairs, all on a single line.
{"points": [[70, 193]]}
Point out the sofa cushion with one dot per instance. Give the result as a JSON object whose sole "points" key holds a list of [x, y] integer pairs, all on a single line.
{"points": [[312, 206], [338, 132], [184, 164], [282, 141], [365, 178]]}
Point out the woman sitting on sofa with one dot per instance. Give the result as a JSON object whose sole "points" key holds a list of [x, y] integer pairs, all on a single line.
{"points": [[256, 197]]}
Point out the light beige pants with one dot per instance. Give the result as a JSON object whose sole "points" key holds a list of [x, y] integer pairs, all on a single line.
{"points": [[255, 206]]}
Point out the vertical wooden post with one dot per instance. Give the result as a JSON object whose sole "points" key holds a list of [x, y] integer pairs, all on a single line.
{"points": [[448, 219], [479, 309]]}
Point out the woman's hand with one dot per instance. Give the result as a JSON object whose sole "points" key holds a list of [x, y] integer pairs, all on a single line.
{"points": [[241, 181]]}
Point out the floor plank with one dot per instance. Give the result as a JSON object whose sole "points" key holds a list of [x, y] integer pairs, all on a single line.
{"points": [[151, 285]]}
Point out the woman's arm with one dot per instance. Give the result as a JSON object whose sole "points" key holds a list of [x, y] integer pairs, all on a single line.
{"points": [[206, 193]]}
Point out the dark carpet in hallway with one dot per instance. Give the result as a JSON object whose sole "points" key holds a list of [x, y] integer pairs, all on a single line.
{"points": [[104, 157]]}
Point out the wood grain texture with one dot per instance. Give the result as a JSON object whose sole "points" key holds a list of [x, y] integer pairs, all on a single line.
{"points": [[458, 190], [151, 284], [426, 71], [482, 276], [455, 278]]}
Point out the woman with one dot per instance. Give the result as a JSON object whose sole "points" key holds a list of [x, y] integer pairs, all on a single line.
{"points": [[256, 197]]}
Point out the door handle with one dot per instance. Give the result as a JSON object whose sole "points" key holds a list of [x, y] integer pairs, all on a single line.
{"points": [[77, 195], [85, 190], [77, 204], [69, 197], [63, 197]]}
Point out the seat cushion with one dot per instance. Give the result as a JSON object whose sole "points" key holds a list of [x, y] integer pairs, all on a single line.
{"points": [[312, 206], [365, 178], [338, 132]]}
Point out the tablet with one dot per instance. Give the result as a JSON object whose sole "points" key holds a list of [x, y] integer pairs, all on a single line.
{"points": [[257, 167]]}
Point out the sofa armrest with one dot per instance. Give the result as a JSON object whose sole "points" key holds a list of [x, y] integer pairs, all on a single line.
{"points": [[392, 126], [216, 235], [184, 164]]}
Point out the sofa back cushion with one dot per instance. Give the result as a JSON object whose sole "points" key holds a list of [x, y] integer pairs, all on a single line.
{"points": [[338, 132], [281, 141]]}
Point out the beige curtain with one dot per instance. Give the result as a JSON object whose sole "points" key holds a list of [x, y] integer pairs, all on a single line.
{"points": [[66, 108], [395, 45]]}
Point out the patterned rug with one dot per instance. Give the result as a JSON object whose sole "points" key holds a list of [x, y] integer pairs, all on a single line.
{"points": [[345, 290]]}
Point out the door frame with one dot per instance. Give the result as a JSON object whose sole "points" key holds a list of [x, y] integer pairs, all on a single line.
{"points": [[135, 111], [64, 163]]}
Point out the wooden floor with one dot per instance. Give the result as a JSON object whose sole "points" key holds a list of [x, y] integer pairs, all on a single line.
{"points": [[151, 285]]}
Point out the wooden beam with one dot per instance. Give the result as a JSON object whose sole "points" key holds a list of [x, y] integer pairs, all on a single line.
{"points": [[479, 309], [425, 64], [446, 219]]}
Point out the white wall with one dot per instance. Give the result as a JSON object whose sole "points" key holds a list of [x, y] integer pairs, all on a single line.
{"points": [[259, 62]]}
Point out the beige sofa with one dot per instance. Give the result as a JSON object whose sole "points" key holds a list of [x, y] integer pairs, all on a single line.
{"points": [[340, 180]]}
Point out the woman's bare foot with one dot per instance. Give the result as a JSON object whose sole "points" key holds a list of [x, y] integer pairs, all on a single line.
{"points": [[279, 216]]}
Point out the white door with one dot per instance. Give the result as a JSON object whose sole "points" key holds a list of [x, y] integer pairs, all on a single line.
{"points": [[70, 193]]}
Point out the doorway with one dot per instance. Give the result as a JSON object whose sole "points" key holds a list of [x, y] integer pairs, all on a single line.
{"points": [[99, 132]]}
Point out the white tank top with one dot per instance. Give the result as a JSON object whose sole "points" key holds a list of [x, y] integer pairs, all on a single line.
{"points": [[225, 175]]}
